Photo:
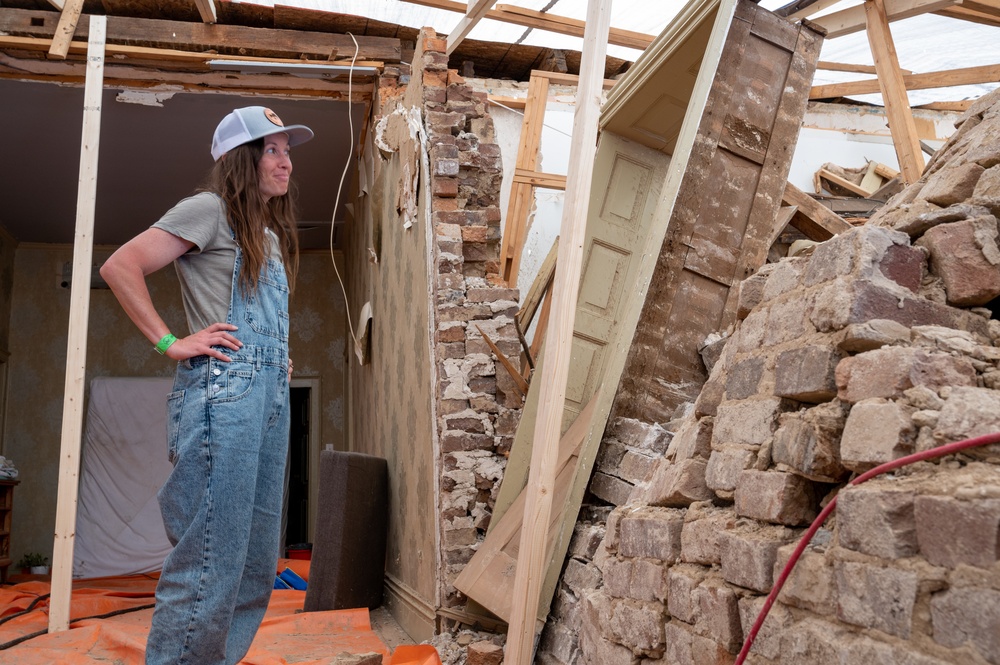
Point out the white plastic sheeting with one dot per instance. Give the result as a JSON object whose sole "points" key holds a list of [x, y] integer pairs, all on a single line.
{"points": [[119, 530]]}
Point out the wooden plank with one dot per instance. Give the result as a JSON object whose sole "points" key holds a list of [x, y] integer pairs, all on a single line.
{"points": [[519, 382], [68, 19], [847, 67], [960, 107], [965, 14], [206, 8], [843, 182], [522, 194], [538, 340], [813, 219], [532, 560], [539, 179], [941, 79], [474, 13], [871, 180], [193, 36], [803, 8], [541, 21], [897, 106], [76, 347], [562, 78], [538, 288], [852, 19], [885, 171], [508, 102]]}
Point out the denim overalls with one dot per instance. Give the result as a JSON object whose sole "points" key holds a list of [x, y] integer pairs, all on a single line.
{"points": [[227, 431]]}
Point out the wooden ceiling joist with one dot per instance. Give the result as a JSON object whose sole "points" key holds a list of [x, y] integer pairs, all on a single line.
{"points": [[223, 39], [542, 21], [476, 11], [984, 12], [852, 19], [206, 8], [799, 9], [848, 67], [68, 19], [942, 79]]}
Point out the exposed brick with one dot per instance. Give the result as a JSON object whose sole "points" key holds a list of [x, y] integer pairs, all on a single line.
{"points": [[637, 624], [967, 413], [784, 277], [768, 641], [831, 259], [773, 496], [679, 484], [965, 255], [968, 616], [594, 645], [904, 265], [636, 467], [807, 374], [476, 234], [684, 647], [682, 580], [493, 295], [638, 579], [953, 532], [639, 434], [484, 653], [609, 488], [751, 293], [580, 575], [887, 372], [703, 526], [444, 187], [653, 533], [810, 585], [788, 320], [878, 521], [953, 184], [808, 441], [876, 597], [876, 431], [708, 400], [693, 439], [743, 378], [748, 555], [436, 79], [874, 334], [724, 469]]}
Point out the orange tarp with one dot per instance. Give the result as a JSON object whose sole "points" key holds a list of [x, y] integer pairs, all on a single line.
{"points": [[287, 634]]}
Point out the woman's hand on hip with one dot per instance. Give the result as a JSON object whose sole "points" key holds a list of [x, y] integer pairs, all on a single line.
{"points": [[202, 343]]}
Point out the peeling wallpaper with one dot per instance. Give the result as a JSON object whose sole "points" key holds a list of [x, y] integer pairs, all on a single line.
{"points": [[38, 328]]}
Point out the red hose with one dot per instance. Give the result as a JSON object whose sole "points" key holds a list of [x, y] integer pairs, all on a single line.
{"points": [[940, 451]]}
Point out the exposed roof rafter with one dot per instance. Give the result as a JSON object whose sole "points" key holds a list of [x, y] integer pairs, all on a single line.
{"points": [[475, 13], [207, 10]]}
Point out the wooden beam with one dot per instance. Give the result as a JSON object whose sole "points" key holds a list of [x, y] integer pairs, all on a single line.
{"points": [[897, 105], [517, 103], [519, 382], [76, 347], [847, 67], [942, 79], [560, 78], [474, 14], [539, 179], [963, 13], [68, 19], [852, 19], [803, 8], [813, 219], [206, 8], [538, 288], [223, 39], [844, 183], [959, 107], [532, 559], [542, 21]]}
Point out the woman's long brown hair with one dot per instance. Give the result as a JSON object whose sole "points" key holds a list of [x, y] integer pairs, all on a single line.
{"points": [[234, 178]]}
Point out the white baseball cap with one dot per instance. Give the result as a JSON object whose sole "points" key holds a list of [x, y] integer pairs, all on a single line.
{"points": [[252, 123]]}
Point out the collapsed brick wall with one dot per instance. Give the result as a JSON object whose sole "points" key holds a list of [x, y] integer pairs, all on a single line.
{"points": [[477, 404], [880, 343]]}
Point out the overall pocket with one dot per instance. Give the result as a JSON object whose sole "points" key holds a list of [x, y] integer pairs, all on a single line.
{"points": [[229, 382]]}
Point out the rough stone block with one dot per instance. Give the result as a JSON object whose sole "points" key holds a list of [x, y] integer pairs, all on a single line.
{"points": [[637, 467], [639, 434], [746, 422], [750, 335], [682, 580], [965, 255], [595, 645], [617, 576], [952, 184], [611, 489], [807, 374], [889, 371], [767, 644], [719, 613], [581, 575], [638, 579], [703, 526], [652, 533], [711, 395], [808, 441], [638, 625], [693, 439], [484, 653], [968, 616], [877, 520], [814, 642], [987, 192], [788, 320], [953, 532], [785, 276], [968, 413], [876, 431], [831, 259], [751, 294], [810, 586], [724, 469], [711, 351], [679, 484], [874, 334], [876, 597], [743, 378], [748, 555], [684, 647], [903, 265], [773, 496]]}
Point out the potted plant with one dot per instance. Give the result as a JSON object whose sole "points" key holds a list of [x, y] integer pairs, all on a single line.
{"points": [[34, 562]]}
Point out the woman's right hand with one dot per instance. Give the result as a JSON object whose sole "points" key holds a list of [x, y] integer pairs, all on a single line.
{"points": [[202, 343]]}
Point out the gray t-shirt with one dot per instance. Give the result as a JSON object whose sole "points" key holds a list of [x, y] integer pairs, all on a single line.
{"points": [[206, 270]]}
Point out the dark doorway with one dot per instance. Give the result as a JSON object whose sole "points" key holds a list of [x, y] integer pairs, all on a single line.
{"points": [[297, 529]]}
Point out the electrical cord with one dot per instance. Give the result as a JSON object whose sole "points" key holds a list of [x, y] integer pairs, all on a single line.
{"points": [[941, 451], [27, 610], [39, 633]]}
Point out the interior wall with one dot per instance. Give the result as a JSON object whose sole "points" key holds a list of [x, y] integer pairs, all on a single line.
{"points": [[38, 327], [7, 247], [391, 413]]}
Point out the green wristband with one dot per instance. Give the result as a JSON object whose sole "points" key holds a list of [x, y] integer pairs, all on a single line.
{"points": [[164, 344]]}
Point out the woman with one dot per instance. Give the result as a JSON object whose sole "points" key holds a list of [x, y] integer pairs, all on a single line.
{"points": [[235, 251]]}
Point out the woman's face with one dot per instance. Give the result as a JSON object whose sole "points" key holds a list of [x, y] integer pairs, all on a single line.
{"points": [[275, 166]]}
